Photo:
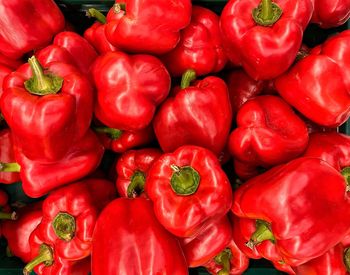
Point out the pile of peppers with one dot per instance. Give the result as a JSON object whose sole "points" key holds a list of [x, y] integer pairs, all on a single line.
{"points": [[166, 138]]}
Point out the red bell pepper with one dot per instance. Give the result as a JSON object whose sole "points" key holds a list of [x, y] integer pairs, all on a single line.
{"points": [[129, 89], [27, 25], [17, 232], [96, 33], [4, 71], [7, 158], [200, 47], [51, 110], [9, 62], [132, 169], [318, 85], [5, 210], [40, 177], [69, 216], [149, 26], [298, 228], [120, 141], [268, 133], [189, 190], [199, 115], [128, 239], [210, 242], [329, 14], [264, 36]]}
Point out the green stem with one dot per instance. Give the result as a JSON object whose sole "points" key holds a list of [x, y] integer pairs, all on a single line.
{"points": [[346, 174], [96, 14], [187, 78], [41, 83], [64, 226], [223, 259], [45, 256], [266, 13], [185, 180], [262, 233], [111, 132], [9, 167], [8, 216], [118, 7], [137, 184], [347, 259]]}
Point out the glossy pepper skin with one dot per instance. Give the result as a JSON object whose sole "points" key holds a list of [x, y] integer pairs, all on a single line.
{"points": [[31, 117], [96, 33], [209, 243], [132, 168], [69, 215], [329, 14], [268, 133], [128, 239], [129, 89], [198, 114], [323, 78], [17, 232], [10, 62], [299, 229], [149, 26], [40, 177], [200, 47], [27, 25], [189, 190], [7, 159], [264, 51]]}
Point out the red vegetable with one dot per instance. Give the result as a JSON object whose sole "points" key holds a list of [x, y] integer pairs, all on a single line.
{"points": [[329, 14], [189, 190], [318, 85], [200, 47], [199, 115], [264, 36], [128, 239], [27, 25], [129, 88], [149, 26]]}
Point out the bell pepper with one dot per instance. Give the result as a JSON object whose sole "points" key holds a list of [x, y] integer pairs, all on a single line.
{"points": [[200, 47], [9, 62], [128, 239], [132, 169], [242, 87], [264, 36], [31, 94], [69, 216], [96, 33], [5, 210], [268, 133], [27, 25], [322, 78], [149, 26], [189, 190], [40, 177], [17, 232], [7, 158], [199, 115], [210, 242], [129, 89], [298, 228], [330, 14], [120, 141], [69, 47]]}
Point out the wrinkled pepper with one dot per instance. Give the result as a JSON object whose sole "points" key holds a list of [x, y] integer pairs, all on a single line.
{"points": [[69, 215], [29, 96], [27, 25], [318, 85], [149, 26], [132, 169], [264, 36], [330, 14], [198, 114], [279, 201], [189, 190], [128, 239], [129, 89], [200, 47]]}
